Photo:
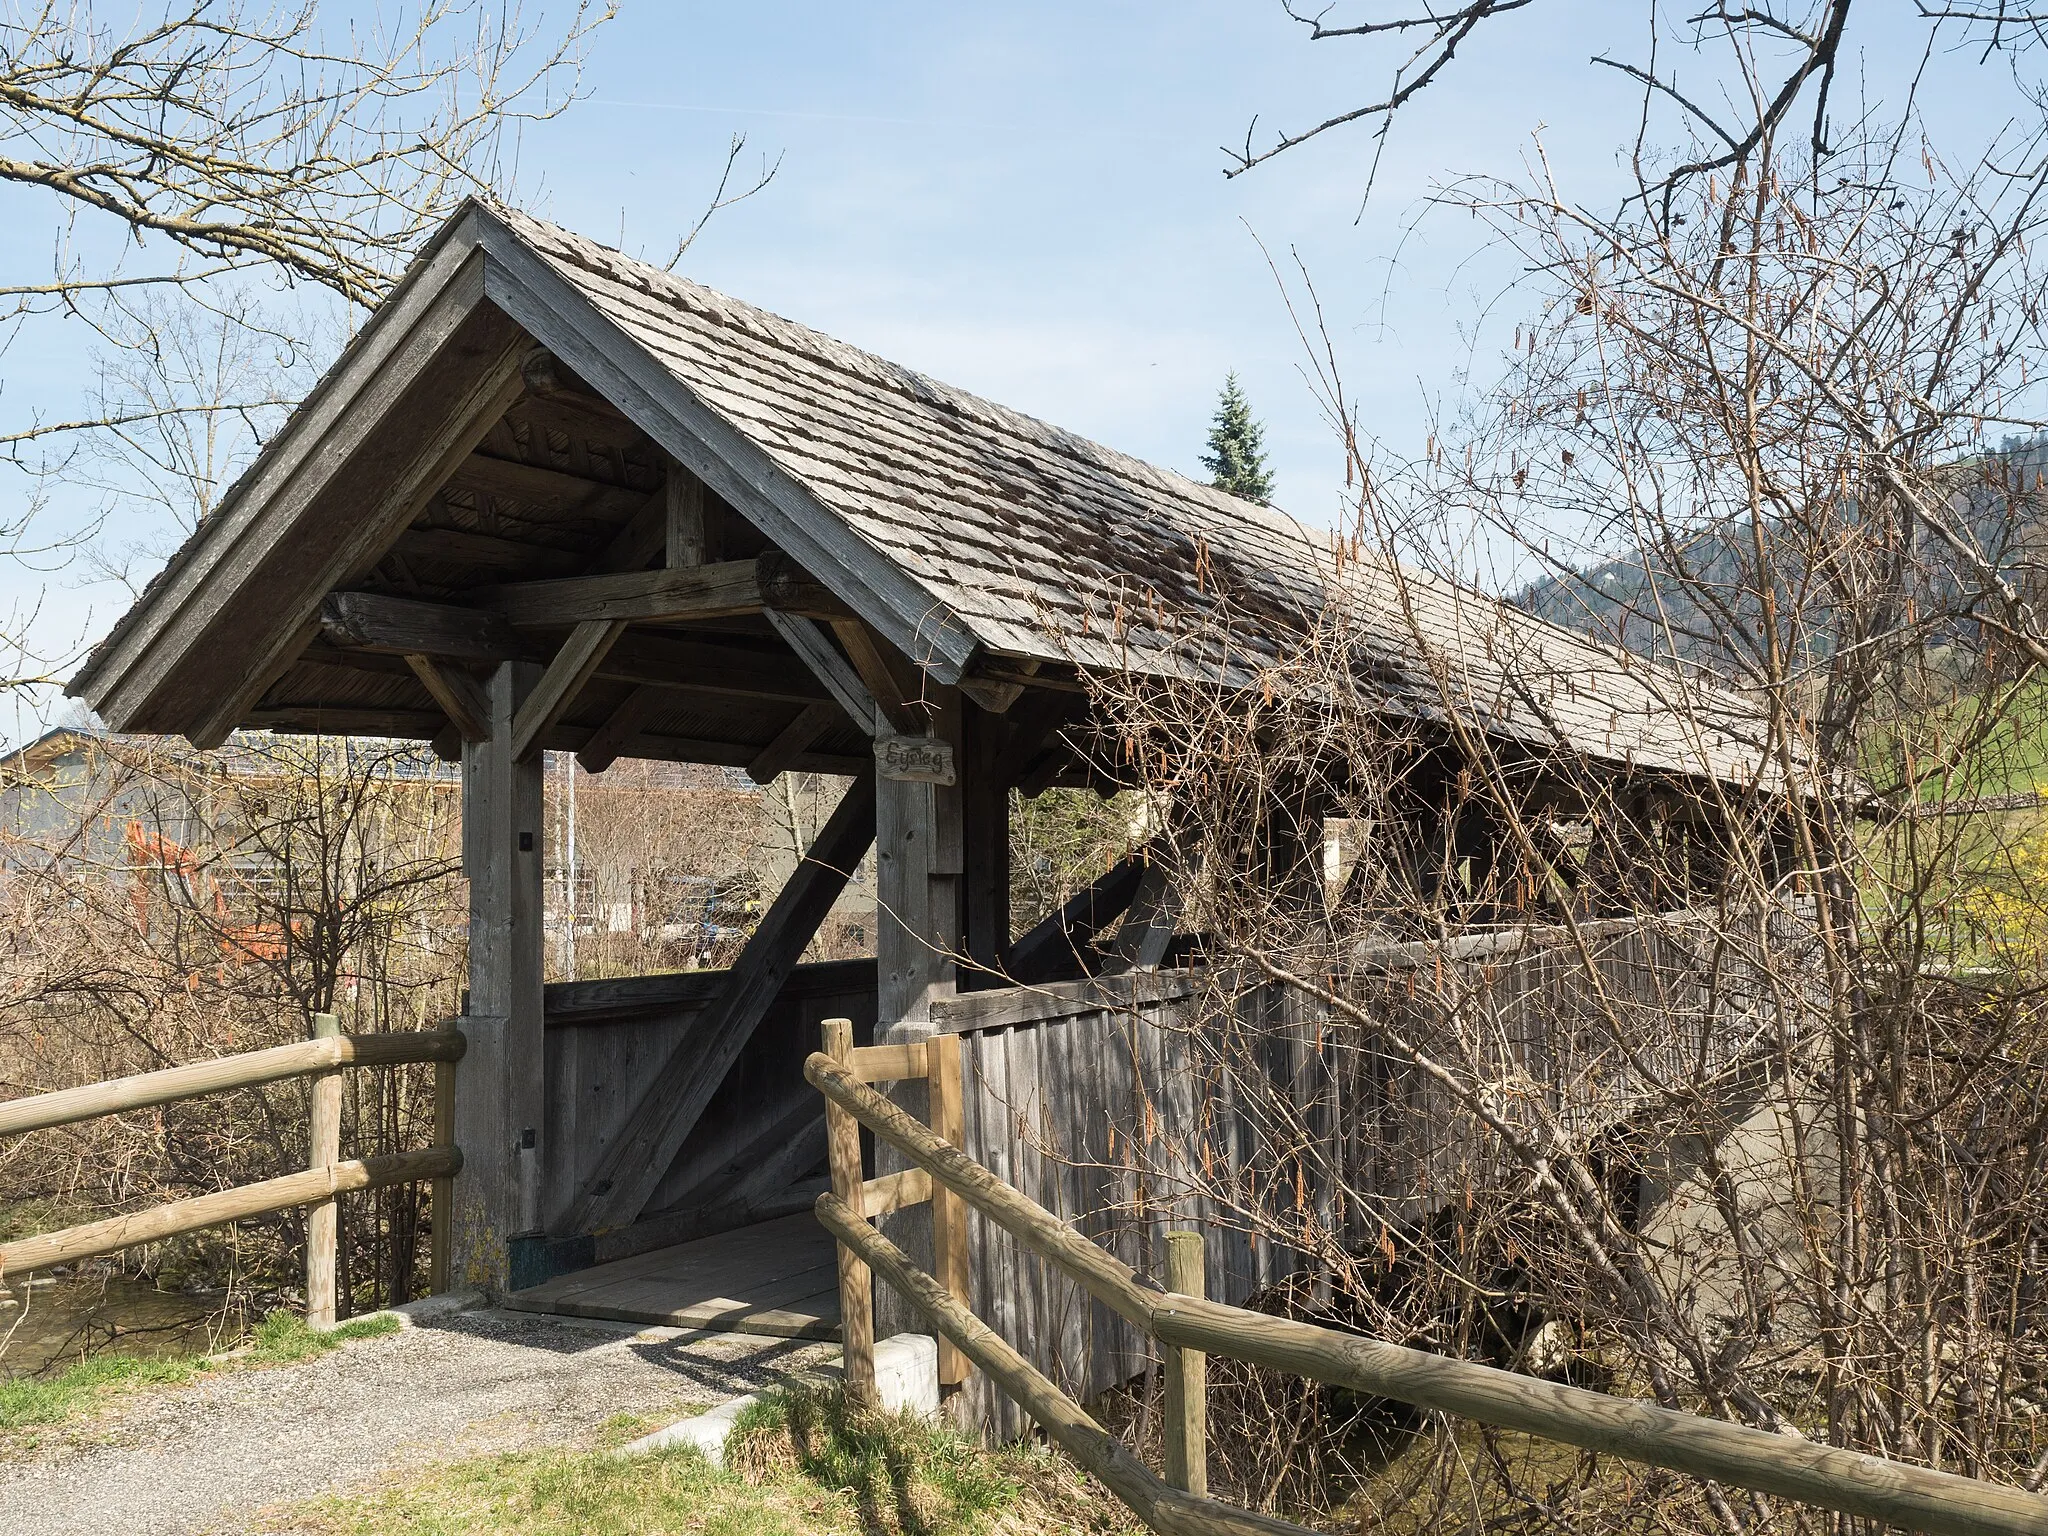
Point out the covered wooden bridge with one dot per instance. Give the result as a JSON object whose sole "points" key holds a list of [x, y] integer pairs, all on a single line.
{"points": [[553, 498]]}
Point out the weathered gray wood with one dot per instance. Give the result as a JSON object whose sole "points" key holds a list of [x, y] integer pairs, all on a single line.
{"points": [[619, 999], [640, 1154], [638, 542], [25, 1256], [522, 283], [556, 691], [1864, 1486], [1058, 1000], [466, 705], [985, 832], [1057, 943], [401, 626], [704, 667], [499, 1100], [246, 1069], [1147, 931], [438, 298], [828, 666], [614, 739], [684, 523], [917, 895], [892, 683], [485, 553], [325, 720], [323, 1218], [726, 590], [796, 738], [443, 443], [538, 486]]}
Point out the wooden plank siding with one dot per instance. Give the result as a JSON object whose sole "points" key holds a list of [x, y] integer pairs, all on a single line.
{"points": [[1097, 1099], [605, 1040]]}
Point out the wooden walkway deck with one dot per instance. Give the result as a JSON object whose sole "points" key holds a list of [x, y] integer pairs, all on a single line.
{"points": [[779, 1278]]}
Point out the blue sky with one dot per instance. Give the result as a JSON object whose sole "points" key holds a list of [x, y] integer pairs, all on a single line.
{"points": [[1028, 201]]}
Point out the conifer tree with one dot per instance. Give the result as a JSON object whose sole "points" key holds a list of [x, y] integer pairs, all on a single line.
{"points": [[1237, 447]]}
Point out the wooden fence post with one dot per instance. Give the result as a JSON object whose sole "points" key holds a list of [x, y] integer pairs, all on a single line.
{"points": [[949, 1211], [856, 1284], [1187, 1377], [323, 1221], [442, 1191]]}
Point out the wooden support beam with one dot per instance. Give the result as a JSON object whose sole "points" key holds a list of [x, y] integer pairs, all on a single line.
{"points": [[684, 503], [473, 412], [649, 1137], [638, 542], [461, 698], [796, 738], [919, 859], [1054, 948], [727, 590], [1147, 931], [894, 685], [856, 1284], [754, 1161], [537, 486], [985, 831], [673, 661], [619, 730], [555, 694], [405, 626], [498, 1102], [829, 667]]}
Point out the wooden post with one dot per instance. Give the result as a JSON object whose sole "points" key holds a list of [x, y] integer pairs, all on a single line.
{"points": [[1187, 1376], [442, 1210], [323, 1221], [498, 1098], [856, 1285], [949, 1211], [918, 859]]}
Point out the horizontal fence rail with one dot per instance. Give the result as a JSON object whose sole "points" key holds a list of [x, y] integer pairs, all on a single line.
{"points": [[97, 1238], [249, 1069], [326, 1177], [1849, 1482]]}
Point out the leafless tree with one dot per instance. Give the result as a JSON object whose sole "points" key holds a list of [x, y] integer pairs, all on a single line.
{"points": [[1723, 1088]]}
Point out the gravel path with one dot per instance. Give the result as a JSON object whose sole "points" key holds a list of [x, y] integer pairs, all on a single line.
{"points": [[207, 1458]]}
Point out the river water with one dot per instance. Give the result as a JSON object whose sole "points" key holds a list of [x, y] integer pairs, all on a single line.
{"points": [[49, 1323]]}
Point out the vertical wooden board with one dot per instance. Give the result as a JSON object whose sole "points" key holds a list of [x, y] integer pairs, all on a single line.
{"points": [[984, 1403], [1072, 1304], [1004, 1260]]}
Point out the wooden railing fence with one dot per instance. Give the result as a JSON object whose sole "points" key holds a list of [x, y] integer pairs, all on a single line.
{"points": [[328, 1175], [1869, 1487]]}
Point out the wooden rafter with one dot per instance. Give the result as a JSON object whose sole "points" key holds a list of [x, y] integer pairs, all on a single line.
{"points": [[620, 729], [829, 667], [461, 697], [555, 694], [796, 738]]}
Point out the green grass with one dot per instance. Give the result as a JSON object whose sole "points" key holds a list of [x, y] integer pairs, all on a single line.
{"points": [[281, 1339], [797, 1463], [77, 1391]]}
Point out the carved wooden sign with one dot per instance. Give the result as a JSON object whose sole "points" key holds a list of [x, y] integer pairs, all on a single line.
{"points": [[914, 759]]}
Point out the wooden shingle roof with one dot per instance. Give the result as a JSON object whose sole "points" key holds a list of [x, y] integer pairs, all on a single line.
{"points": [[971, 536], [1037, 544]]}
